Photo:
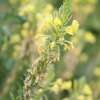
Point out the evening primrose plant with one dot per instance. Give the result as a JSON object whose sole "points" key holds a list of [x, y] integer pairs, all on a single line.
{"points": [[52, 36], [52, 40], [44, 55]]}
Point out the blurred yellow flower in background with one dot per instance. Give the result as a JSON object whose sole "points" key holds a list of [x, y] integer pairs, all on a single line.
{"points": [[26, 9], [60, 85], [87, 90], [97, 71], [48, 9], [89, 37], [80, 97], [55, 89], [67, 85]]}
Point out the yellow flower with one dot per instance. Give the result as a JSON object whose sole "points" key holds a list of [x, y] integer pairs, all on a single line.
{"points": [[43, 22], [87, 90], [72, 28], [89, 37], [66, 85], [89, 97], [48, 9], [97, 71], [40, 90], [80, 97], [24, 10], [59, 81], [39, 16], [60, 85], [55, 89], [57, 86], [57, 21]]}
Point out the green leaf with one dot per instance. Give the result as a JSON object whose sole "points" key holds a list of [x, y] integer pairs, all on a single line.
{"points": [[65, 10], [51, 73]]}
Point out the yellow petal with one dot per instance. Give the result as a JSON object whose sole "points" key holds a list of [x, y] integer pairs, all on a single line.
{"points": [[75, 26], [57, 21], [69, 30], [72, 28], [87, 90]]}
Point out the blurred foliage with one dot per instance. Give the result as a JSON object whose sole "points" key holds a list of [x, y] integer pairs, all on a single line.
{"points": [[43, 52]]}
